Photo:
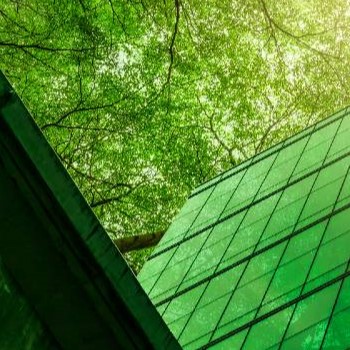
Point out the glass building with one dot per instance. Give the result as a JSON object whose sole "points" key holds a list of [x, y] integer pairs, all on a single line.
{"points": [[258, 257]]}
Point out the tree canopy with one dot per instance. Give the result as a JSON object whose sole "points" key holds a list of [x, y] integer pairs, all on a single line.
{"points": [[143, 100]]}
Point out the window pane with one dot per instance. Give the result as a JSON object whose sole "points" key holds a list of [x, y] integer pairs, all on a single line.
{"points": [[338, 335], [268, 332], [308, 313], [316, 149]]}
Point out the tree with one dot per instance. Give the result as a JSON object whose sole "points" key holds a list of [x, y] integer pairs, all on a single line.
{"points": [[143, 100]]}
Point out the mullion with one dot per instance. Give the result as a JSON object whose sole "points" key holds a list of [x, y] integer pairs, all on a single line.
{"points": [[313, 260], [177, 247], [223, 210], [258, 252], [246, 207], [252, 162], [301, 331], [294, 228], [333, 309], [257, 244], [282, 295], [233, 236], [276, 310], [237, 229], [247, 248]]}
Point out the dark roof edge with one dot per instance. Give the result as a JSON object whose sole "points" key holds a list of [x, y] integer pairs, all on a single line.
{"points": [[86, 226]]}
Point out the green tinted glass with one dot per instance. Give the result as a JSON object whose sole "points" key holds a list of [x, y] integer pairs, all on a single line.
{"points": [[259, 257]]}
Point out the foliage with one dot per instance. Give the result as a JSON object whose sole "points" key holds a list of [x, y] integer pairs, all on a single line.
{"points": [[143, 100]]}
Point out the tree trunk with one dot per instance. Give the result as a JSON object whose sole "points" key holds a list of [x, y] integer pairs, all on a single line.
{"points": [[127, 244]]}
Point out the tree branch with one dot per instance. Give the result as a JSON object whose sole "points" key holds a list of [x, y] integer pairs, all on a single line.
{"points": [[44, 48], [172, 43], [105, 201], [273, 24]]}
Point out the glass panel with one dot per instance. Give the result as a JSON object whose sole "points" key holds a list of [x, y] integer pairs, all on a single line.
{"points": [[344, 197], [308, 313], [268, 332], [212, 302], [286, 284], [261, 265], [250, 185], [203, 320], [338, 334], [325, 192], [288, 210], [151, 271], [195, 344], [228, 185], [211, 212], [338, 224], [308, 339], [210, 254], [243, 304], [341, 142], [254, 224], [171, 277], [233, 342], [283, 167], [179, 309], [316, 150], [184, 220], [332, 256], [293, 269]]}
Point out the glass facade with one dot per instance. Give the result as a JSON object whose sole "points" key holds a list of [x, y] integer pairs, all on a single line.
{"points": [[258, 257]]}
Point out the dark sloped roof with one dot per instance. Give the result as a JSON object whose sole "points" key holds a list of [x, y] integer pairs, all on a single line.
{"points": [[58, 252]]}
